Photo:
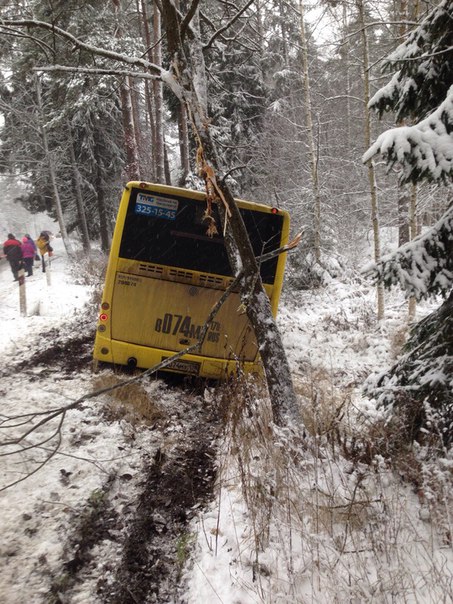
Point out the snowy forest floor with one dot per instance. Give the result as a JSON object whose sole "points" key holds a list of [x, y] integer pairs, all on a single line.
{"points": [[174, 490]]}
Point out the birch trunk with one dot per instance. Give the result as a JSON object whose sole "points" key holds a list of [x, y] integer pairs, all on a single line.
{"points": [[370, 165], [132, 169], [311, 140]]}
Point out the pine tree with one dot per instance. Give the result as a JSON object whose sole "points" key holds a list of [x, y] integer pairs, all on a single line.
{"points": [[89, 106], [420, 385]]}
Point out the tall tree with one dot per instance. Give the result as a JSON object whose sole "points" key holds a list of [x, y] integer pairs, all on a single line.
{"points": [[52, 169], [190, 76], [420, 386], [370, 164], [92, 113], [311, 138]]}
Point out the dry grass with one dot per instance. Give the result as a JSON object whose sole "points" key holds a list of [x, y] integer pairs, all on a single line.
{"points": [[352, 523], [132, 403], [323, 405]]}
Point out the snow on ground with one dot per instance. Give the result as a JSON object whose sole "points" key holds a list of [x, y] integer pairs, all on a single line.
{"points": [[324, 528], [46, 305], [321, 529], [38, 512]]}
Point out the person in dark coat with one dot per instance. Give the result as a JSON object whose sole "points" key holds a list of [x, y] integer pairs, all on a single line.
{"points": [[28, 252], [13, 252]]}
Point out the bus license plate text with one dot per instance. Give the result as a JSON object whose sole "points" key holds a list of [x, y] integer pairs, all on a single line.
{"points": [[147, 210]]}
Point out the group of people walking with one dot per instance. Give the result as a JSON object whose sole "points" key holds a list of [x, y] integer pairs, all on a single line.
{"points": [[23, 254]]}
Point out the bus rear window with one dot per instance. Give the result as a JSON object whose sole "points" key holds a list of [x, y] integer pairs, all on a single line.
{"points": [[169, 230]]}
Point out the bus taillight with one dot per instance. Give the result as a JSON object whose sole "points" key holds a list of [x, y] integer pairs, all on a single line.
{"points": [[103, 316]]}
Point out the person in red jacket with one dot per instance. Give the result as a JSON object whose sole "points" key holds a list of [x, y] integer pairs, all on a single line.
{"points": [[13, 252]]}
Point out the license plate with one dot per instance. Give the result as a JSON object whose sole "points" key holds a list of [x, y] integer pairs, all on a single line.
{"points": [[188, 367]]}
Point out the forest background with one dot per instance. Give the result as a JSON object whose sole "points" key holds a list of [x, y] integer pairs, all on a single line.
{"points": [[287, 105]]}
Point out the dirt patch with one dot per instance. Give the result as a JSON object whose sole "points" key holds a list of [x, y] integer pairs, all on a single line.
{"points": [[67, 350], [130, 540], [69, 355]]}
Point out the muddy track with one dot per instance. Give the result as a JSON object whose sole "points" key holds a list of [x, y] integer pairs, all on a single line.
{"points": [[152, 538], [157, 542]]}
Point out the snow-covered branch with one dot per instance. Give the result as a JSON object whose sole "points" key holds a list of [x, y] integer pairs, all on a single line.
{"points": [[424, 150], [422, 267], [156, 70], [227, 25], [103, 52], [97, 71]]}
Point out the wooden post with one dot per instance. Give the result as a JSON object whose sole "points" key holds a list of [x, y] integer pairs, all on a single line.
{"points": [[22, 293], [48, 272]]}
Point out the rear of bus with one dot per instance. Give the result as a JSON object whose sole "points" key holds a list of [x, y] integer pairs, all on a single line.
{"points": [[165, 274]]}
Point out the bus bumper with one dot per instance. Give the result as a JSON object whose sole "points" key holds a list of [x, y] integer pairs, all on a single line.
{"points": [[121, 353]]}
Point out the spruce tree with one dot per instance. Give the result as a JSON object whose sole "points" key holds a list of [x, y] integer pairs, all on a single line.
{"points": [[419, 387]]}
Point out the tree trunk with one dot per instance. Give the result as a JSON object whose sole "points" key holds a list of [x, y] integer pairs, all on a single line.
{"points": [[404, 191], [132, 170], [100, 202], [132, 163], [412, 307], [370, 165], [183, 132], [149, 98], [135, 104], [166, 166], [78, 194], [311, 140], [414, 225], [345, 54], [190, 73], [52, 171], [159, 154]]}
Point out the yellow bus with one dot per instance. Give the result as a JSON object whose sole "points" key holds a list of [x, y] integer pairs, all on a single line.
{"points": [[165, 274]]}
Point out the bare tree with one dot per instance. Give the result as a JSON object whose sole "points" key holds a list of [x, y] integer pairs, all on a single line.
{"points": [[311, 139], [370, 165]]}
